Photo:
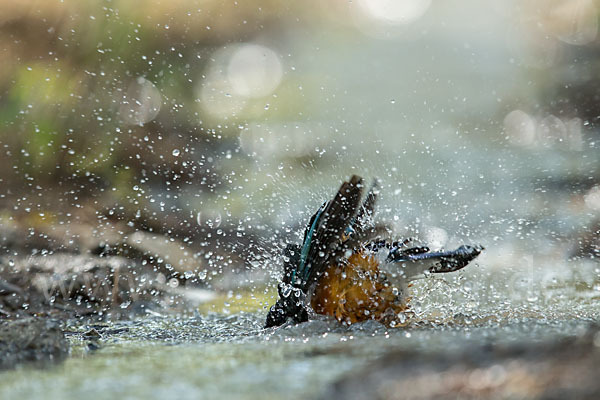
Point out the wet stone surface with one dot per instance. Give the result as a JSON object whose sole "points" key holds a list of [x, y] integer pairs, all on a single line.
{"points": [[216, 356], [38, 341], [66, 286], [552, 369]]}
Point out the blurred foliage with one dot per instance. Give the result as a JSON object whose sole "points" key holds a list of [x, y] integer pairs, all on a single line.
{"points": [[102, 107], [71, 77]]}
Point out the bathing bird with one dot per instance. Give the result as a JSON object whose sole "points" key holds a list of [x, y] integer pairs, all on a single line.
{"points": [[347, 268]]}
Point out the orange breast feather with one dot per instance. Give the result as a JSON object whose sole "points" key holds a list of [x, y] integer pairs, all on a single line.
{"points": [[357, 291]]}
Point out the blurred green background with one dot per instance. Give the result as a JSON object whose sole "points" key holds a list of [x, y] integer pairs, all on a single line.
{"points": [[222, 124]]}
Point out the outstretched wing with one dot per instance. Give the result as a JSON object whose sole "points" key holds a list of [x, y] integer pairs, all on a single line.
{"points": [[415, 262], [323, 235], [304, 265], [362, 227]]}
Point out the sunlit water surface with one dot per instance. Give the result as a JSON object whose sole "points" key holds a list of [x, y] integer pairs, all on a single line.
{"points": [[230, 356]]}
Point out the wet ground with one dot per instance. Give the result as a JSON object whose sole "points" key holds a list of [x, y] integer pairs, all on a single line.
{"points": [[32, 341], [516, 324], [491, 331], [232, 357]]}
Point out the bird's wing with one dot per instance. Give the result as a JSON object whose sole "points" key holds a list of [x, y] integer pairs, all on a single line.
{"points": [[324, 232], [416, 262], [362, 227]]}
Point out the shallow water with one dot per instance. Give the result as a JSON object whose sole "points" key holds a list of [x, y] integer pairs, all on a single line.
{"points": [[298, 363], [509, 296], [231, 356], [299, 366]]}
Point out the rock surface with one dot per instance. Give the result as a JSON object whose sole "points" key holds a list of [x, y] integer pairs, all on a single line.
{"points": [[31, 340], [64, 286], [564, 369]]}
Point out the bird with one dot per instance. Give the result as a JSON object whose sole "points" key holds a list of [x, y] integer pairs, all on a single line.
{"points": [[347, 268]]}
